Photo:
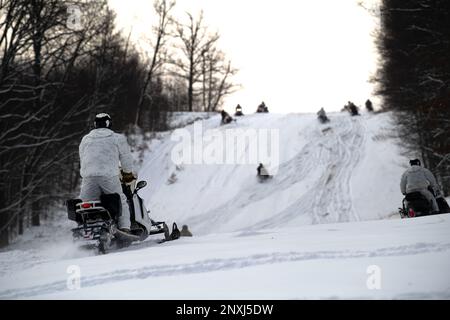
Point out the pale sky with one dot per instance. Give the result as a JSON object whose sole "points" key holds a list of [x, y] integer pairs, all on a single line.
{"points": [[296, 55]]}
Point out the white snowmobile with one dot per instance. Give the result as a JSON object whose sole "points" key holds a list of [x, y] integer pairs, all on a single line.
{"points": [[97, 220]]}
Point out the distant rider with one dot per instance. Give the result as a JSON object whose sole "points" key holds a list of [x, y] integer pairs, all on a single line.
{"points": [[102, 152], [226, 118], [369, 105], [238, 112], [419, 179], [262, 172], [322, 115], [353, 109], [262, 108]]}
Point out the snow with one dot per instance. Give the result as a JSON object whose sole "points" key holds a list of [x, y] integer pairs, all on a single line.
{"points": [[321, 261], [182, 119], [325, 227], [338, 175]]}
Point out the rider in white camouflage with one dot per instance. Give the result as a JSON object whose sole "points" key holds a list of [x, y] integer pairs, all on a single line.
{"points": [[102, 152], [419, 179]]}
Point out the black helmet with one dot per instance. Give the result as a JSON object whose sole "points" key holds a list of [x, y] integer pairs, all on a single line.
{"points": [[415, 162], [103, 120]]}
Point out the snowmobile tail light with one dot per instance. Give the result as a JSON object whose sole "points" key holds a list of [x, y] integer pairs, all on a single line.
{"points": [[86, 205]]}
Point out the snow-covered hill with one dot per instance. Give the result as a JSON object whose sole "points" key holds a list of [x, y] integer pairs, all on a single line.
{"points": [[348, 170], [325, 226]]}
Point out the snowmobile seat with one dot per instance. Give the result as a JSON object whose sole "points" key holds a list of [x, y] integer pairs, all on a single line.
{"points": [[112, 203]]}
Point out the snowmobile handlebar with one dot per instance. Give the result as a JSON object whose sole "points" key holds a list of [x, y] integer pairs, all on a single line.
{"points": [[140, 185]]}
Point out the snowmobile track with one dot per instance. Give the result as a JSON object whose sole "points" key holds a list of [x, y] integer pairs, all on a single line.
{"points": [[330, 156], [222, 264]]}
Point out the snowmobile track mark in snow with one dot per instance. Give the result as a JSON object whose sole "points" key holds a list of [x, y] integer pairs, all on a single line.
{"points": [[334, 154], [222, 264]]}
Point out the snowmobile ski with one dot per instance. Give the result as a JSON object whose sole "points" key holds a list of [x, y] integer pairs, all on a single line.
{"points": [[175, 235]]}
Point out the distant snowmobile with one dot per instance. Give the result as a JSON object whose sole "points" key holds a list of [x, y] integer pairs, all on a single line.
{"points": [[322, 116], [352, 109], [98, 220], [238, 112], [262, 173], [369, 105], [226, 118], [262, 108]]}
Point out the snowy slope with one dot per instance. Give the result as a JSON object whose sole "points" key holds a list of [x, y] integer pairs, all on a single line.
{"points": [[318, 229], [321, 261], [339, 175]]}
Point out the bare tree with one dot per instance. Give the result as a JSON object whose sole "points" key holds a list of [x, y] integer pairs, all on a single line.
{"points": [[196, 41], [413, 78], [159, 54], [202, 65], [216, 82], [39, 53], [53, 79]]}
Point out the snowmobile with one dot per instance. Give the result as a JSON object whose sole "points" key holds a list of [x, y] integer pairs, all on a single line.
{"points": [[262, 173], [98, 221], [226, 118], [262, 109], [238, 112], [415, 205], [354, 110], [323, 119]]}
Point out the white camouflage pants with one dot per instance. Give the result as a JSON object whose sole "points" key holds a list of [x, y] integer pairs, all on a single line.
{"points": [[93, 187]]}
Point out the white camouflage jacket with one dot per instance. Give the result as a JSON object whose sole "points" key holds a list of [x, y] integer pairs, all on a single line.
{"points": [[102, 152], [418, 178]]}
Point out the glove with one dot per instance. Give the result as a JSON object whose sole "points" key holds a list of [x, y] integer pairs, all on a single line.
{"points": [[128, 177], [437, 192]]}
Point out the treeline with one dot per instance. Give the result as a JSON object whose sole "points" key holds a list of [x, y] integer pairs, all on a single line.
{"points": [[414, 78], [61, 62]]}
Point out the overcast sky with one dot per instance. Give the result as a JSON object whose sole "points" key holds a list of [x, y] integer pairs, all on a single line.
{"points": [[296, 55]]}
